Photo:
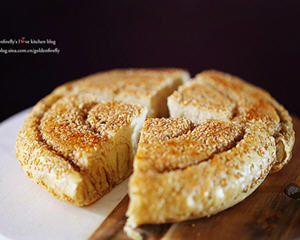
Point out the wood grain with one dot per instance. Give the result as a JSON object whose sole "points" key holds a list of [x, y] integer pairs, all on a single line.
{"points": [[266, 214]]}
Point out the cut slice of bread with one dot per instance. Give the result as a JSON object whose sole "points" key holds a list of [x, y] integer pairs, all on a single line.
{"points": [[78, 147]]}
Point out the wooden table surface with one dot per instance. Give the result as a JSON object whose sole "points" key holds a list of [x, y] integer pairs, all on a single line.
{"points": [[266, 214]]}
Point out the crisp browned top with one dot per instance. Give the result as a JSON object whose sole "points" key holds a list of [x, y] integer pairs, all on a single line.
{"points": [[169, 144], [158, 130], [122, 82], [79, 123]]}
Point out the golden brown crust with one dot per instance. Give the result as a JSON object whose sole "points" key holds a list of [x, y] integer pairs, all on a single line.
{"points": [[178, 144], [239, 134], [156, 130], [137, 82]]}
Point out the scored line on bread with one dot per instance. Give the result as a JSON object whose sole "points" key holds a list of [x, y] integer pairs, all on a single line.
{"points": [[223, 138]]}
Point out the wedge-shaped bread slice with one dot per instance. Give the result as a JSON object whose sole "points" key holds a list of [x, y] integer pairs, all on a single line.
{"points": [[77, 147], [147, 87], [234, 135]]}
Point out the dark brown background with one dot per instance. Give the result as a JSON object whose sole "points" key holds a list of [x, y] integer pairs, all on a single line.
{"points": [[257, 40]]}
